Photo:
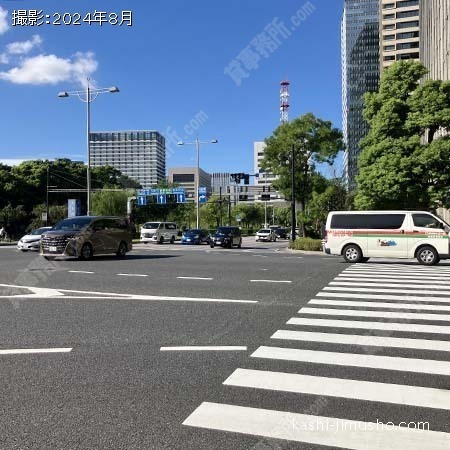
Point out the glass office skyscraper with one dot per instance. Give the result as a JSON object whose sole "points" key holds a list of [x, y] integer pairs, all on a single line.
{"points": [[360, 74]]}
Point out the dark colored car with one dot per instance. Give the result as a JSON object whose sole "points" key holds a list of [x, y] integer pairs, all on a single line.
{"points": [[227, 237], [282, 233], [195, 236], [86, 236]]}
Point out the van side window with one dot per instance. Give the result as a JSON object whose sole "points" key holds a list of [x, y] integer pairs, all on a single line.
{"points": [[367, 221], [426, 221], [170, 226]]}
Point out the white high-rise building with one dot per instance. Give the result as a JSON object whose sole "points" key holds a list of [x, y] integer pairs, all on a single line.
{"points": [[265, 178]]}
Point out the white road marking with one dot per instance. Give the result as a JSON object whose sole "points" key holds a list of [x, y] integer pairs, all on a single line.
{"points": [[380, 314], [336, 387], [26, 351], [415, 266], [260, 256], [195, 278], [400, 272], [361, 340], [388, 291], [131, 275], [394, 285], [387, 326], [36, 292], [391, 278], [381, 305], [355, 360], [80, 271], [411, 298], [205, 349], [269, 281], [326, 431]]}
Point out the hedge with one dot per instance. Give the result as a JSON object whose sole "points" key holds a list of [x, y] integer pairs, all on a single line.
{"points": [[306, 244]]}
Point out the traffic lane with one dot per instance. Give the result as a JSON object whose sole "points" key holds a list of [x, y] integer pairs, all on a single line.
{"points": [[113, 398]]}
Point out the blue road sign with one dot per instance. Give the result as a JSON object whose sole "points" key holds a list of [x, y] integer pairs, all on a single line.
{"points": [[181, 198], [142, 200], [201, 190], [165, 191], [73, 207], [162, 199], [202, 198]]}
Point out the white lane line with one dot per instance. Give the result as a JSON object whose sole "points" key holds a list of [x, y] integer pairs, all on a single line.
{"points": [[361, 340], [391, 278], [394, 285], [388, 291], [380, 314], [131, 275], [195, 278], [336, 387], [191, 348], [380, 305], [326, 431], [411, 298], [355, 360], [260, 256], [26, 351], [269, 281], [385, 326], [80, 271]]}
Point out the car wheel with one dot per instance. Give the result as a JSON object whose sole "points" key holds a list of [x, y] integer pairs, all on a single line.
{"points": [[161, 240], [122, 250], [365, 259], [50, 258], [86, 252], [352, 254], [427, 256], [211, 244], [172, 240]]}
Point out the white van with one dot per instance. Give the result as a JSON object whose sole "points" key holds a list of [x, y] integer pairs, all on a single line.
{"points": [[159, 232], [360, 235]]}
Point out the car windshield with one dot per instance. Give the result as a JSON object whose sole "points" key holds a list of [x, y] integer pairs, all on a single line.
{"points": [[224, 230], [264, 231], [151, 225], [75, 224], [193, 231], [39, 231]]}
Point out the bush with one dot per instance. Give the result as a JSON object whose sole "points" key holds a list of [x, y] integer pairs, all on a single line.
{"points": [[309, 244]]}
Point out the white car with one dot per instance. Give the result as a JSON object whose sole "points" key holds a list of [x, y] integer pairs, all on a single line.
{"points": [[32, 241], [265, 235]]}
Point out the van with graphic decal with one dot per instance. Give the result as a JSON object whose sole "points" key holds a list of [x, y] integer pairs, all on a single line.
{"points": [[360, 235]]}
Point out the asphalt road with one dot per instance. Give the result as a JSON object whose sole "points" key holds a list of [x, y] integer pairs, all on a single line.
{"points": [[109, 375]]}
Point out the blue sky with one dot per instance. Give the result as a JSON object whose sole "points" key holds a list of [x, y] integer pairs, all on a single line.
{"points": [[170, 67]]}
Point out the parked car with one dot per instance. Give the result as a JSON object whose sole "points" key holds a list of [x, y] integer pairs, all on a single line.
{"points": [[159, 232], [195, 236], [226, 237], [87, 236], [282, 233], [266, 234], [32, 241]]}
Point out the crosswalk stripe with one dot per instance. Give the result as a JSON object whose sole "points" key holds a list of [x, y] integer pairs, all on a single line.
{"points": [[386, 326], [416, 267], [360, 340], [411, 298], [394, 285], [317, 430], [337, 387], [380, 314], [399, 272], [355, 360], [375, 289], [380, 305], [391, 278]]}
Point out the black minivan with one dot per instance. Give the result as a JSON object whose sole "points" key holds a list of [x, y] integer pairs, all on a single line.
{"points": [[226, 237]]}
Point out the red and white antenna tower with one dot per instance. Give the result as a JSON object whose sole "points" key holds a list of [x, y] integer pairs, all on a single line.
{"points": [[284, 101]]}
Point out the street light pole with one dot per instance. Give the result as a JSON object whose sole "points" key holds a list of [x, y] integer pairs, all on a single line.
{"points": [[87, 96], [197, 143], [293, 215]]}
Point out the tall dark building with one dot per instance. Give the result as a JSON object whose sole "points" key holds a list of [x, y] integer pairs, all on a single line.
{"points": [[360, 74]]}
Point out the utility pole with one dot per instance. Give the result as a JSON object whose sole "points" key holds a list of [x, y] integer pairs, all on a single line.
{"points": [[220, 203], [46, 201], [293, 215]]}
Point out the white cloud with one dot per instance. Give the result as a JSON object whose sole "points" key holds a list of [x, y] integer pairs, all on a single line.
{"points": [[4, 58], [13, 162], [50, 69], [4, 25], [23, 47]]}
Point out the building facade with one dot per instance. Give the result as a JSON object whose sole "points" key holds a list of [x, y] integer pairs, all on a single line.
{"points": [[220, 180], [435, 38], [265, 178], [139, 154], [186, 177], [360, 74], [399, 31]]}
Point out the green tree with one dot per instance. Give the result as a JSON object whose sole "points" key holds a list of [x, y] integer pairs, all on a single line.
{"points": [[396, 168], [314, 141], [110, 203]]}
